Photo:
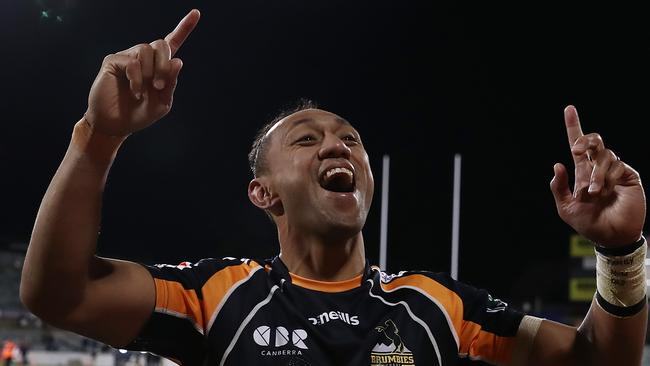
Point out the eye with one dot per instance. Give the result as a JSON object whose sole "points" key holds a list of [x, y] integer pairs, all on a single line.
{"points": [[350, 138], [305, 139]]}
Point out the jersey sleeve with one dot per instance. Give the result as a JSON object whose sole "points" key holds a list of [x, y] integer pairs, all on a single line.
{"points": [[186, 296], [484, 328], [488, 329]]}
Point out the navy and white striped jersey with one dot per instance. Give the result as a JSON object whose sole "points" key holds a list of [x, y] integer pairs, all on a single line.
{"points": [[245, 312]]}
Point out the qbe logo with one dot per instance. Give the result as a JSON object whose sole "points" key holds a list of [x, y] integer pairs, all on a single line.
{"points": [[282, 337]]}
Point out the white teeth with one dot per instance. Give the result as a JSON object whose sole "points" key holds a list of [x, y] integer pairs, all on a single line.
{"points": [[331, 172]]}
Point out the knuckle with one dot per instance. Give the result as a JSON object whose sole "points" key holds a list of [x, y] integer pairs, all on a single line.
{"points": [[596, 138], [159, 45], [108, 58], [144, 48], [619, 164]]}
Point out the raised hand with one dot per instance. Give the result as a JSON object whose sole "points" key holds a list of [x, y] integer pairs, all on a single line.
{"points": [[135, 87], [607, 204]]}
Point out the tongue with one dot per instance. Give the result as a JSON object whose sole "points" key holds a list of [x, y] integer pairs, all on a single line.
{"points": [[338, 182]]}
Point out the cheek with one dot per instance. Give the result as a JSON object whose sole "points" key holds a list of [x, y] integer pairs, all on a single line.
{"points": [[370, 186], [370, 180], [294, 177]]}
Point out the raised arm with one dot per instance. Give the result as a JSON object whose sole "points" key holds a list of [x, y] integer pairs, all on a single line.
{"points": [[608, 207], [63, 281]]}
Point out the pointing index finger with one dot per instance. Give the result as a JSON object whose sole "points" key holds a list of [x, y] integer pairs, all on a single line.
{"points": [[182, 30], [572, 123]]}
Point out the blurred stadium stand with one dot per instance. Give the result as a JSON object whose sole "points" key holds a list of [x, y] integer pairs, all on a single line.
{"points": [[46, 345]]}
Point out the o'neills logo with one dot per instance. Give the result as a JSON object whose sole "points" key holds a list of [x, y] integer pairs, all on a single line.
{"points": [[328, 316], [391, 350]]}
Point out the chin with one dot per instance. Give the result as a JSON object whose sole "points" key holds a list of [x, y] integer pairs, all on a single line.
{"points": [[342, 225]]}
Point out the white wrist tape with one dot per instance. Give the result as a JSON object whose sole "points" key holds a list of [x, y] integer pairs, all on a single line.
{"points": [[524, 341], [621, 280]]}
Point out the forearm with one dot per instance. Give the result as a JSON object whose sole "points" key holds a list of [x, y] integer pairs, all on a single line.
{"points": [[60, 257], [601, 340], [615, 340]]}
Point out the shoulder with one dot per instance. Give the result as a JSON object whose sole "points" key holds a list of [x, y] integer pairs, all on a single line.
{"points": [[437, 286], [413, 278], [199, 272]]}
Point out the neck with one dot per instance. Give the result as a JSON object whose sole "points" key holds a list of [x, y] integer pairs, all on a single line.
{"points": [[322, 259]]}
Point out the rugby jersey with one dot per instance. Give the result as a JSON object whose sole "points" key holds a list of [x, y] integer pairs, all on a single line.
{"points": [[245, 312]]}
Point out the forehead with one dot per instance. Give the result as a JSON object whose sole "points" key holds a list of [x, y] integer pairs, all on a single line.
{"points": [[311, 115]]}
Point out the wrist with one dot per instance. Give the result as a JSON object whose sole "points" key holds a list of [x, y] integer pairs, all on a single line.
{"points": [[620, 250], [97, 146], [621, 278]]}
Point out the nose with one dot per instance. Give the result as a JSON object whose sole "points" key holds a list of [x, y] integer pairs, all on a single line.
{"points": [[333, 147]]}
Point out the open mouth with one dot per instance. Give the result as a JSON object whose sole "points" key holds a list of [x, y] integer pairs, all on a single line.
{"points": [[338, 180]]}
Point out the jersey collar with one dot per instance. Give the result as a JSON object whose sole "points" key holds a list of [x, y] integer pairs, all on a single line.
{"points": [[279, 272]]}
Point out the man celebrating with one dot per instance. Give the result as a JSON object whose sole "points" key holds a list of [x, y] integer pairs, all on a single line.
{"points": [[319, 302]]}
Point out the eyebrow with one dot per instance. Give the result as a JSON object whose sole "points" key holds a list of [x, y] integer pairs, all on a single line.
{"points": [[295, 123], [298, 122]]}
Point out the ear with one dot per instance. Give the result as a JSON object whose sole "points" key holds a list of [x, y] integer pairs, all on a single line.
{"points": [[261, 196]]}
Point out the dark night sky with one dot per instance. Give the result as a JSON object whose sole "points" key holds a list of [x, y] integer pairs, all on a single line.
{"points": [[419, 81]]}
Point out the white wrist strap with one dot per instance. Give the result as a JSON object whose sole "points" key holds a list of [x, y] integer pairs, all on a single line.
{"points": [[621, 279]]}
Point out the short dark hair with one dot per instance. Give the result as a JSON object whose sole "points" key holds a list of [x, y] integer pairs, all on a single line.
{"points": [[257, 156]]}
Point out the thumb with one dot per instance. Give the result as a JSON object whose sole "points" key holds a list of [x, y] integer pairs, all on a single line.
{"points": [[560, 185]]}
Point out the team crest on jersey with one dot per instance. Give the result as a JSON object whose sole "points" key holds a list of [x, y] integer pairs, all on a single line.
{"points": [[495, 305], [390, 350]]}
